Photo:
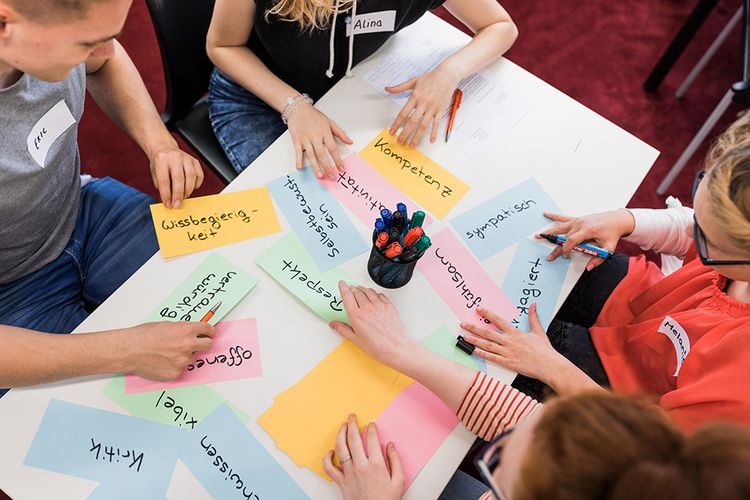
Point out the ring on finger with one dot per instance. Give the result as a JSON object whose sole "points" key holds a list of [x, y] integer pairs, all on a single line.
{"points": [[345, 459]]}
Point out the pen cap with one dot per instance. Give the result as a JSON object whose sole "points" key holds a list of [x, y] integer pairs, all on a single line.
{"points": [[389, 273]]}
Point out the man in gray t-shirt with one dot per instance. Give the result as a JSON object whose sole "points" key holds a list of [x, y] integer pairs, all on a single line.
{"points": [[64, 248]]}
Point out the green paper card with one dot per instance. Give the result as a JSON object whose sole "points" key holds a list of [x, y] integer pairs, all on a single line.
{"points": [[293, 268], [215, 280], [182, 407], [443, 342]]}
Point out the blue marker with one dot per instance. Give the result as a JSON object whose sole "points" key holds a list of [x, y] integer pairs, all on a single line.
{"points": [[401, 207], [379, 225], [387, 217], [581, 247]]}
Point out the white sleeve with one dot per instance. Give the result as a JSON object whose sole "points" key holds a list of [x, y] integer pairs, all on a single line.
{"points": [[663, 231]]}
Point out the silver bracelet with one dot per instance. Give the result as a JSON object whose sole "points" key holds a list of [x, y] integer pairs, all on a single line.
{"points": [[292, 105]]}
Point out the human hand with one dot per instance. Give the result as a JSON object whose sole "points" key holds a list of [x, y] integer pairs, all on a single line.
{"points": [[174, 173], [375, 324], [430, 97], [529, 354], [314, 133], [364, 476], [160, 351], [605, 229]]}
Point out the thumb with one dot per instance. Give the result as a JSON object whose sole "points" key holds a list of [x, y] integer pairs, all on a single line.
{"points": [[402, 87], [342, 329], [536, 325], [394, 461]]}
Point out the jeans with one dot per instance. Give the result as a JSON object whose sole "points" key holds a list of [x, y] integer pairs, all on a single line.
{"points": [[112, 238], [244, 125], [568, 332], [463, 487]]}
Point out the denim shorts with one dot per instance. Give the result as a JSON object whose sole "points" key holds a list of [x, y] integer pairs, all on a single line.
{"points": [[244, 125]]}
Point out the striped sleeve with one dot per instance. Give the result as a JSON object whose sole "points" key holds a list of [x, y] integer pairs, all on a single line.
{"points": [[490, 406]]}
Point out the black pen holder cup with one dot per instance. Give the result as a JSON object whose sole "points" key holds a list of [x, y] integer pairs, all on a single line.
{"points": [[387, 273]]}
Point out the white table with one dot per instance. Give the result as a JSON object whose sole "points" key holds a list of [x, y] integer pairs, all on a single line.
{"points": [[585, 162]]}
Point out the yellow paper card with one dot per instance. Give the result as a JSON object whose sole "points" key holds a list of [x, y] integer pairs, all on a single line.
{"points": [[214, 221], [426, 182], [305, 418]]}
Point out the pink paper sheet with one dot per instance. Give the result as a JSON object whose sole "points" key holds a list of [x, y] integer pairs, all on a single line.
{"points": [[364, 191], [234, 354], [460, 280], [417, 422]]}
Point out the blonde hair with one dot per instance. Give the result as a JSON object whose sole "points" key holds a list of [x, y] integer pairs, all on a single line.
{"points": [[728, 181], [599, 445], [308, 14]]}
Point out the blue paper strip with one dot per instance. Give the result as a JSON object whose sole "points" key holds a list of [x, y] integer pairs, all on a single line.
{"points": [[231, 464], [505, 219], [317, 218], [534, 279]]}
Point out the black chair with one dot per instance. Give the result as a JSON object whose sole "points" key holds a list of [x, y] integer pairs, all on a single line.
{"points": [[181, 28]]}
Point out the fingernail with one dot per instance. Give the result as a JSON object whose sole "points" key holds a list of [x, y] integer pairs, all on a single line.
{"points": [[391, 131], [177, 204], [463, 324]]}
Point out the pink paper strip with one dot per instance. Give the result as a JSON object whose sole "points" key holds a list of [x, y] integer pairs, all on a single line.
{"points": [[364, 191], [417, 422], [461, 281], [234, 354]]}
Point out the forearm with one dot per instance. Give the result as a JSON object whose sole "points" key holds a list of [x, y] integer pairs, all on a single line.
{"points": [[244, 67], [29, 358], [488, 45], [663, 231], [565, 378], [118, 89]]}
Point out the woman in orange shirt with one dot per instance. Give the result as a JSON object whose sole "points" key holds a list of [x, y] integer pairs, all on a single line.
{"points": [[683, 338]]}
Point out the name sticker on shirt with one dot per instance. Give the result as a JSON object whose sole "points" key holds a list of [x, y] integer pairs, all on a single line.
{"points": [[374, 22], [47, 130], [679, 338]]}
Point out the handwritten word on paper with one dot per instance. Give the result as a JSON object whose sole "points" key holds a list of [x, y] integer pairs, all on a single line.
{"points": [[415, 174], [365, 192], [417, 422], [230, 463], [234, 355], [460, 280], [135, 455], [214, 221], [505, 219], [215, 280], [182, 407], [291, 266], [304, 419], [317, 218], [533, 279]]}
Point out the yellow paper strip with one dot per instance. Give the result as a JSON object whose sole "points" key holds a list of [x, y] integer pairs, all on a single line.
{"points": [[305, 418], [214, 221], [410, 170]]}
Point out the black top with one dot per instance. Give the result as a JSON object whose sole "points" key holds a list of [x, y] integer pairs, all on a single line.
{"points": [[301, 58]]}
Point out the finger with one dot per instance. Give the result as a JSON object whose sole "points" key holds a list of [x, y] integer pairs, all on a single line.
{"points": [[347, 297], [410, 126], [204, 330], [435, 129], [178, 186], [423, 123], [333, 472], [374, 452], [334, 152], [190, 178], [557, 217], [342, 329], [360, 296], [493, 336], [536, 325], [313, 159], [165, 191], [342, 450], [573, 239], [401, 87], [492, 357], [202, 344], [401, 117], [324, 160], [594, 263], [562, 228], [394, 461], [384, 299], [354, 441], [555, 253], [339, 132], [372, 295], [484, 344], [496, 320]]}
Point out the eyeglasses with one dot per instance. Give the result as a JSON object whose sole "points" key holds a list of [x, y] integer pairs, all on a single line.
{"points": [[489, 458], [701, 244]]}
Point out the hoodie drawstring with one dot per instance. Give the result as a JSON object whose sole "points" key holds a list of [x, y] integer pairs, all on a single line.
{"points": [[331, 45]]}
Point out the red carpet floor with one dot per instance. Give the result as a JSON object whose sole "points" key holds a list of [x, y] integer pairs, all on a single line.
{"points": [[597, 52]]}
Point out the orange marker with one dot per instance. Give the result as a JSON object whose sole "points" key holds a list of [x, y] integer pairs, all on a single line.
{"points": [[457, 94], [393, 250], [210, 314], [382, 239], [413, 235]]}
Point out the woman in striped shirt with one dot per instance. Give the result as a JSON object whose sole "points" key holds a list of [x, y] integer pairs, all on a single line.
{"points": [[590, 444]]}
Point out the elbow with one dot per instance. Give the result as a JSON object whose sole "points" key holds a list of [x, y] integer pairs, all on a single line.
{"points": [[211, 51], [513, 32]]}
